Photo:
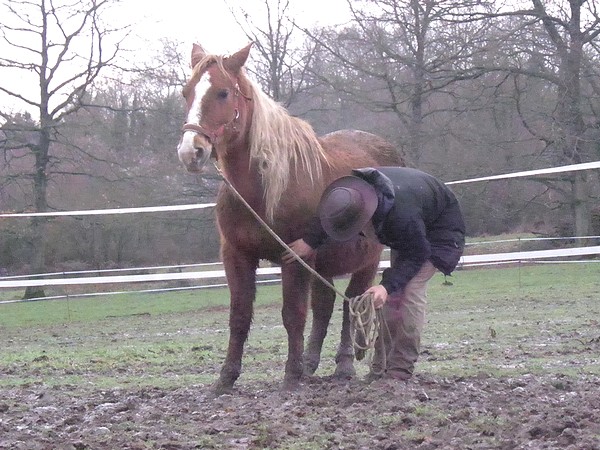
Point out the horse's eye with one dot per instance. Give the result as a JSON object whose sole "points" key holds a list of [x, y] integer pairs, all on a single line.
{"points": [[222, 94]]}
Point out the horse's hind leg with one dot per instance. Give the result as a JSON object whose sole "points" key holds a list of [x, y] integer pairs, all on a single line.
{"points": [[322, 302], [359, 283]]}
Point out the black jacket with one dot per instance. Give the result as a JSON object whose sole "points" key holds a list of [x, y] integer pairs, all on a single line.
{"points": [[418, 216]]}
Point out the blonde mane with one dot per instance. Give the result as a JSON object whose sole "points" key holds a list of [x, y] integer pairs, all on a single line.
{"points": [[279, 142]]}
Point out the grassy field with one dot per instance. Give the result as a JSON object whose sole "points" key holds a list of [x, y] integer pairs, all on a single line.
{"points": [[509, 360], [529, 312]]}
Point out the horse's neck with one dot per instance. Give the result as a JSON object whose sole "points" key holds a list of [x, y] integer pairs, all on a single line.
{"points": [[243, 176]]}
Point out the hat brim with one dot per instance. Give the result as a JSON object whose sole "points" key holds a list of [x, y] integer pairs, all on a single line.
{"points": [[369, 196]]}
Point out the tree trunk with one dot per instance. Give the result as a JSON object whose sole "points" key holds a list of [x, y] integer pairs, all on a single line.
{"points": [[581, 210], [38, 224], [570, 116]]}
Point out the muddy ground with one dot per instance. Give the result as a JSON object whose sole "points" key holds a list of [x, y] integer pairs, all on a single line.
{"points": [[505, 365], [483, 412]]}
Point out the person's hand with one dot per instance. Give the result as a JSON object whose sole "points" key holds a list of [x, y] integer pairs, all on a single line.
{"points": [[301, 248], [380, 295]]}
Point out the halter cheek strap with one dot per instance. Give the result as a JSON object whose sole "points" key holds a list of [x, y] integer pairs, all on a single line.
{"points": [[213, 135]]}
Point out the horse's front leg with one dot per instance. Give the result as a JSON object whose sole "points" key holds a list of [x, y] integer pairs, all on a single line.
{"points": [[240, 270], [295, 281]]}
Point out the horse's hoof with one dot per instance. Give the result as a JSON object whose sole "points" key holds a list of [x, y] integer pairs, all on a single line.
{"points": [[221, 387], [344, 371], [290, 384], [310, 368], [360, 354]]}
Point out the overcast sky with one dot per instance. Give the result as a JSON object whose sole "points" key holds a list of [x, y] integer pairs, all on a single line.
{"points": [[210, 22]]}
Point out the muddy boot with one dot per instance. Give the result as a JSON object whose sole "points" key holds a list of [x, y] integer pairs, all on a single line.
{"points": [[377, 362], [385, 339]]}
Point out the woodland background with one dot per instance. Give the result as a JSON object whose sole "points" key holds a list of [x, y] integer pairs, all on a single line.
{"points": [[463, 89]]}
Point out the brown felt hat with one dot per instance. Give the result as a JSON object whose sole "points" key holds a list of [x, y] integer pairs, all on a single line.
{"points": [[346, 207]]}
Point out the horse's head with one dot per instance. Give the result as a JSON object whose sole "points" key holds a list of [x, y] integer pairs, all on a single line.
{"points": [[216, 106]]}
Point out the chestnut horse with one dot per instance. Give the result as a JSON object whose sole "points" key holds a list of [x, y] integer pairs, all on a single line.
{"points": [[280, 167]]}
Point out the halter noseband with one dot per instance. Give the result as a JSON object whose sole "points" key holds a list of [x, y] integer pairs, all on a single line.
{"points": [[213, 135]]}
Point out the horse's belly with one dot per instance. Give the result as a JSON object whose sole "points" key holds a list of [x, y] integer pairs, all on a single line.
{"points": [[335, 259]]}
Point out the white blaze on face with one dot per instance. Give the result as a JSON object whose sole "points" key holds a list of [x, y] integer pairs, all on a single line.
{"points": [[185, 149]]}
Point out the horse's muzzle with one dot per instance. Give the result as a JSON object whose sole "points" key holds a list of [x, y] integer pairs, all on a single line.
{"points": [[194, 151]]}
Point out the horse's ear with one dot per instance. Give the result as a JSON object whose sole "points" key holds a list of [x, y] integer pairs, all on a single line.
{"points": [[197, 54], [236, 61]]}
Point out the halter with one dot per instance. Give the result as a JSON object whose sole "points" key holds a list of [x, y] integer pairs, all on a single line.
{"points": [[213, 135]]}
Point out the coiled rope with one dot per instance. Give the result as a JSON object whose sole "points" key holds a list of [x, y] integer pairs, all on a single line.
{"points": [[365, 323], [364, 318]]}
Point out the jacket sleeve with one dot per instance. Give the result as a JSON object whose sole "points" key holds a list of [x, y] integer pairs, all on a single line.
{"points": [[413, 250], [315, 234]]}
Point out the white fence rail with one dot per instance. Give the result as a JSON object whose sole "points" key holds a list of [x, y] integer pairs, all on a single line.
{"points": [[152, 209], [466, 261]]}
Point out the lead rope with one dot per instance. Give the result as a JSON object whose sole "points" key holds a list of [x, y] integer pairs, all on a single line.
{"points": [[364, 318]]}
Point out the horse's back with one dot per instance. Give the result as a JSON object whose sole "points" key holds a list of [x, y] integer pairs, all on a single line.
{"points": [[355, 149]]}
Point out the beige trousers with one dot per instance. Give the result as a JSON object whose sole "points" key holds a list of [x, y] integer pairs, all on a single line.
{"points": [[399, 342]]}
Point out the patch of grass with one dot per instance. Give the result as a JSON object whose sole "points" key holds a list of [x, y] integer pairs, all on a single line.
{"points": [[525, 316], [487, 425], [207, 442], [414, 435], [498, 322], [318, 442], [510, 242], [92, 309], [10, 294]]}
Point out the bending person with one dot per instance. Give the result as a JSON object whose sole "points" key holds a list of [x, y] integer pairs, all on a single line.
{"points": [[419, 218]]}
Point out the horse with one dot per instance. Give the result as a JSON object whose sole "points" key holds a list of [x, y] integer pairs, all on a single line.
{"points": [[280, 167]]}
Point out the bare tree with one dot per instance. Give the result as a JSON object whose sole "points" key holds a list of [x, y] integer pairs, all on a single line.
{"points": [[569, 35], [398, 54], [458, 72], [281, 58], [555, 43], [65, 44]]}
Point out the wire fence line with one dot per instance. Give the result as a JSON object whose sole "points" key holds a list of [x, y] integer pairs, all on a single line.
{"points": [[98, 271], [152, 209], [219, 263], [465, 261], [139, 291], [19, 281], [102, 212], [525, 239]]}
